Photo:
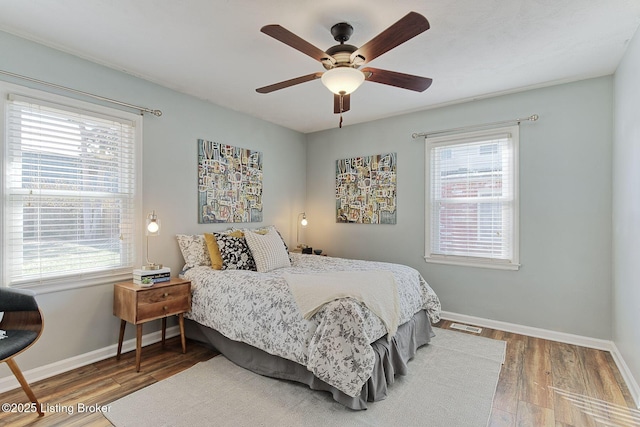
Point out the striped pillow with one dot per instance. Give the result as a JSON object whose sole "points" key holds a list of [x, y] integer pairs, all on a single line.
{"points": [[268, 250]]}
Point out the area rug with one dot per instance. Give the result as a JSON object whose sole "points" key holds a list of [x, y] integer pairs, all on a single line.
{"points": [[451, 382]]}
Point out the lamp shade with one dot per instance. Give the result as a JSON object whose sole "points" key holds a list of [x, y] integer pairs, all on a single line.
{"points": [[301, 223], [342, 80], [152, 229], [153, 224]]}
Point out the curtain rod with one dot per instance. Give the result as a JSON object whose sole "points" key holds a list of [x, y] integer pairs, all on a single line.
{"points": [[157, 113], [531, 118]]}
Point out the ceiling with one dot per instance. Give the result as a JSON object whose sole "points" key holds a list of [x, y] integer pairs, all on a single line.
{"points": [[214, 50]]}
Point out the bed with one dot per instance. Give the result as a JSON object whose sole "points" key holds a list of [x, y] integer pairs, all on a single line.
{"points": [[253, 319]]}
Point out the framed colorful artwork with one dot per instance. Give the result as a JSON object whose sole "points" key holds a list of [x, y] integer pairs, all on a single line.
{"points": [[229, 183], [366, 189]]}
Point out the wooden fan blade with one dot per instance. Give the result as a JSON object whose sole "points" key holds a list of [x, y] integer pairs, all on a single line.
{"points": [[405, 29], [288, 83], [287, 37], [346, 103], [393, 78]]}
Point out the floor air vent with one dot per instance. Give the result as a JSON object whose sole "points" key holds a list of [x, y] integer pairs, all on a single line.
{"points": [[466, 328]]}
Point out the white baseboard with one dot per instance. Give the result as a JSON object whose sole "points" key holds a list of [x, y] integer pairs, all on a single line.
{"points": [[530, 331], [47, 371], [563, 337]]}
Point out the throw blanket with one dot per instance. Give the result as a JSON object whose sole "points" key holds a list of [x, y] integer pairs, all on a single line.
{"points": [[376, 289]]}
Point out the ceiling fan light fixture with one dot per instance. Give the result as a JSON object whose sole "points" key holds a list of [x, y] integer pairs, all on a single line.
{"points": [[342, 80]]}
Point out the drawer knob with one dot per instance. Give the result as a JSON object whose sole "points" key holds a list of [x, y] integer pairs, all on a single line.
{"points": [[165, 308], [166, 294]]}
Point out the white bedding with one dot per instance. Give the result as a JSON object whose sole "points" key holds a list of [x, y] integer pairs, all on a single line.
{"points": [[259, 309], [376, 289]]}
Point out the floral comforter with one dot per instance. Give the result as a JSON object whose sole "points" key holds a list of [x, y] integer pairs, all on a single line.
{"points": [[258, 309]]}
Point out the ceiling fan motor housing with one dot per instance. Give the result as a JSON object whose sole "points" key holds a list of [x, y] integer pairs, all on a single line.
{"points": [[342, 54], [341, 32]]}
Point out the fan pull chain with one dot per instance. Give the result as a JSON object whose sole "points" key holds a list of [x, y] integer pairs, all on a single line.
{"points": [[341, 108]]}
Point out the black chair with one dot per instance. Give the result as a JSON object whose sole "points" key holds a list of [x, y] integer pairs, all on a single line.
{"points": [[22, 322]]}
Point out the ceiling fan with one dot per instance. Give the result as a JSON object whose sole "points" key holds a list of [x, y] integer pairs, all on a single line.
{"points": [[343, 61]]}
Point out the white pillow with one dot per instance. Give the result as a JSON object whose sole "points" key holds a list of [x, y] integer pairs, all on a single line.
{"points": [[268, 250]]}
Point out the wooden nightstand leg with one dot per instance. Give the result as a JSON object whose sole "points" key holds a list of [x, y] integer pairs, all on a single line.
{"points": [[184, 341], [138, 346], [123, 323], [164, 330]]}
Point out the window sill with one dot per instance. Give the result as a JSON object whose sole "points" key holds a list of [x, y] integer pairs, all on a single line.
{"points": [[73, 282], [472, 263]]}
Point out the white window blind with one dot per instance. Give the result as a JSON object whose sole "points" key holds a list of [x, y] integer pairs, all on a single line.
{"points": [[472, 205], [70, 193]]}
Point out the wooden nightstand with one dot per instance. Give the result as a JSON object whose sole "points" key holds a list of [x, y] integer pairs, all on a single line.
{"points": [[137, 305]]}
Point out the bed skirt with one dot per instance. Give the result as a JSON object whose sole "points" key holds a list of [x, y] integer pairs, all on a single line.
{"points": [[391, 359]]}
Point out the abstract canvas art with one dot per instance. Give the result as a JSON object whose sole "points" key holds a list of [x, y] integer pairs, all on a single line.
{"points": [[366, 189], [229, 183]]}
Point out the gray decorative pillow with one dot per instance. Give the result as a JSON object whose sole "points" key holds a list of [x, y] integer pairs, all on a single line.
{"points": [[235, 253], [194, 250], [265, 230], [268, 250]]}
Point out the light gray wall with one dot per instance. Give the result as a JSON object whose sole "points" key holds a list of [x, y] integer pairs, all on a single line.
{"points": [[80, 321], [626, 209], [564, 283]]}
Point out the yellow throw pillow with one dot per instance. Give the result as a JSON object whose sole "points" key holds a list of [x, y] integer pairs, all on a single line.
{"points": [[214, 251]]}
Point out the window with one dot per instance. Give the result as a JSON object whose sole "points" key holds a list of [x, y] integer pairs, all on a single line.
{"points": [[70, 193], [472, 205]]}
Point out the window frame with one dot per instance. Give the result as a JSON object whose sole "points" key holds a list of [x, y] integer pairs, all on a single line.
{"points": [[470, 261], [74, 280]]}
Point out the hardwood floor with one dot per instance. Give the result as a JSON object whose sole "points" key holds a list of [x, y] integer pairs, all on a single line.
{"points": [[101, 383], [542, 383], [547, 383]]}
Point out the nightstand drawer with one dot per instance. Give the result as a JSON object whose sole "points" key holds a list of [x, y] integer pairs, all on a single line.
{"points": [[152, 296], [173, 305]]}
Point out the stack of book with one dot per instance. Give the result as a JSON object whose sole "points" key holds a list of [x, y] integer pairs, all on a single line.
{"points": [[155, 276]]}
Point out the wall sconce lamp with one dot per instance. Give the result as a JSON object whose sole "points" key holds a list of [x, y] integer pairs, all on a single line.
{"points": [[152, 229], [301, 223]]}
